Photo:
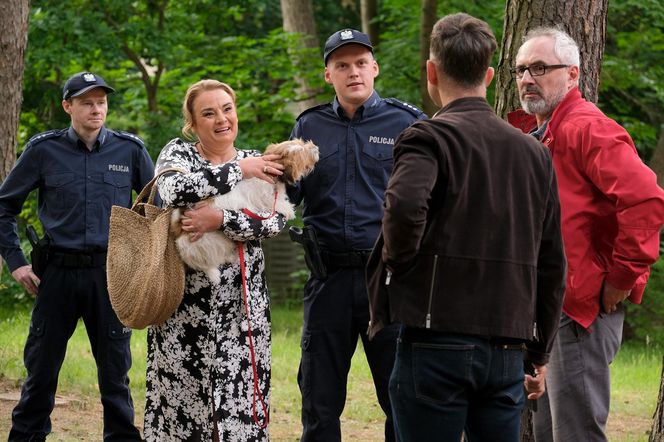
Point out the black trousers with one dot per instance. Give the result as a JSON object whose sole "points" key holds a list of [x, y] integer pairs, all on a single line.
{"points": [[66, 294], [336, 313]]}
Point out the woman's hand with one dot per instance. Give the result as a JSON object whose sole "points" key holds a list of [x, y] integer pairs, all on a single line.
{"points": [[265, 167], [200, 219]]}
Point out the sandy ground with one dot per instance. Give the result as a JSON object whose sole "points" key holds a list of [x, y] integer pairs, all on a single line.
{"points": [[79, 419]]}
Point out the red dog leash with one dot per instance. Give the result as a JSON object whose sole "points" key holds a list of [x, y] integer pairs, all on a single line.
{"points": [[256, 392], [257, 216]]}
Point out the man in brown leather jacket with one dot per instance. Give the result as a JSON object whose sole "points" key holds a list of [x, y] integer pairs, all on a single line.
{"points": [[470, 260]]}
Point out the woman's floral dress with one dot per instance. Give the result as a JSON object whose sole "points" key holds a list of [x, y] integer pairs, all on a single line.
{"points": [[199, 372]]}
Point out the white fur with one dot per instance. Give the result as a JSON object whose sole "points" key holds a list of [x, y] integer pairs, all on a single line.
{"points": [[214, 248]]}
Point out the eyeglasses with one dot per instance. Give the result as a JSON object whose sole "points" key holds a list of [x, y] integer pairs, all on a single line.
{"points": [[536, 70]]}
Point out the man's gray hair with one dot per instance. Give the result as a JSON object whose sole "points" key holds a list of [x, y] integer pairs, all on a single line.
{"points": [[564, 46]]}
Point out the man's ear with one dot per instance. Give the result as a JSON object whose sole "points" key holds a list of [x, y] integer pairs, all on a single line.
{"points": [[573, 75], [326, 75], [432, 73], [488, 76], [66, 105]]}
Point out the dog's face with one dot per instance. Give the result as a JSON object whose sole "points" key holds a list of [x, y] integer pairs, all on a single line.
{"points": [[297, 156]]}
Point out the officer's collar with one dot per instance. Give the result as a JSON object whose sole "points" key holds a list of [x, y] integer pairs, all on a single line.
{"points": [[369, 106], [101, 138]]}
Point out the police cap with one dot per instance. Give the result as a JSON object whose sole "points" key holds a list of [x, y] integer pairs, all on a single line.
{"points": [[344, 37], [80, 83]]}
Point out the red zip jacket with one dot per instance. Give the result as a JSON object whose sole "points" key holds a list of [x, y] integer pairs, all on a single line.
{"points": [[612, 208]]}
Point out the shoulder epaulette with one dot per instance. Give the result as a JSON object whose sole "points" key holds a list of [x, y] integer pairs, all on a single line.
{"points": [[129, 136], [313, 108], [45, 136], [403, 105]]}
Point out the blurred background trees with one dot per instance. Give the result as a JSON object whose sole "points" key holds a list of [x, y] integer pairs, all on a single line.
{"points": [[152, 50]]}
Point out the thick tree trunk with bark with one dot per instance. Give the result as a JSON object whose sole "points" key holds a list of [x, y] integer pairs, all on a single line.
{"points": [[427, 20], [369, 11], [657, 431], [298, 17], [13, 41], [584, 20]]}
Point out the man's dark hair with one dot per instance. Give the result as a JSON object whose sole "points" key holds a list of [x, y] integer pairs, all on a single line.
{"points": [[462, 47]]}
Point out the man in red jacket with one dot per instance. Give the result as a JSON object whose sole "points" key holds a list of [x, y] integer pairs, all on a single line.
{"points": [[612, 212]]}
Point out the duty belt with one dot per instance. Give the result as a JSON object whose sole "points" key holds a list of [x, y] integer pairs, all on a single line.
{"points": [[353, 258], [78, 260]]}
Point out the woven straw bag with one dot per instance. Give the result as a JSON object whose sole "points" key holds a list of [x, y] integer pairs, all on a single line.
{"points": [[143, 267]]}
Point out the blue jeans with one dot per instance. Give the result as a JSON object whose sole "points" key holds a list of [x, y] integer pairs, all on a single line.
{"points": [[444, 384]]}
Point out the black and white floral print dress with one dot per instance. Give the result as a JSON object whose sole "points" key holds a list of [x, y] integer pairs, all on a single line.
{"points": [[199, 370]]}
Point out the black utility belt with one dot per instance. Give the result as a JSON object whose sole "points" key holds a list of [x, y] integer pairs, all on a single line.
{"points": [[353, 258], [75, 259]]}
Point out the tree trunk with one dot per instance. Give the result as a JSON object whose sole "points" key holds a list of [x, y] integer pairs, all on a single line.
{"points": [[298, 17], [369, 9], [13, 41], [584, 20], [657, 431], [427, 20]]}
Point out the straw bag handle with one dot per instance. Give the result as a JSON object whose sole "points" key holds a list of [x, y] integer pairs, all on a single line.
{"points": [[149, 187]]}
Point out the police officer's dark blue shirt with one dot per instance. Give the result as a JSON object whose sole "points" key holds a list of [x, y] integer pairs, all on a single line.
{"points": [[77, 188], [343, 196]]}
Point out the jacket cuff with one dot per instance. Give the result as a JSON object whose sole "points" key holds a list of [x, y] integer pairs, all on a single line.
{"points": [[16, 260], [621, 278], [536, 357]]}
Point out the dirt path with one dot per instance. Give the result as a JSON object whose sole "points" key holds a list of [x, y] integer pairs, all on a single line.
{"points": [[79, 419]]}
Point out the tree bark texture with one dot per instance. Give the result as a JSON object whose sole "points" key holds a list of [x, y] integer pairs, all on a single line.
{"points": [[657, 431], [369, 10], [584, 20], [427, 20], [298, 17], [13, 41]]}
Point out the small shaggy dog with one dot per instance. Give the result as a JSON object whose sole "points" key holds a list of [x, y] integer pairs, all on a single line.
{"points": [[215, 248]]}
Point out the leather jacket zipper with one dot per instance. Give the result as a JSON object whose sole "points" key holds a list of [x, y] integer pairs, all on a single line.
{"points": [[433, 282]]}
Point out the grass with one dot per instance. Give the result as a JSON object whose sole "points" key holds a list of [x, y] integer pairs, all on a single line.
{"points": [[635, 382]]}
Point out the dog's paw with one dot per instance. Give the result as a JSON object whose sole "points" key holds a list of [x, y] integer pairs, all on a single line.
{"points": [[214, 275]]}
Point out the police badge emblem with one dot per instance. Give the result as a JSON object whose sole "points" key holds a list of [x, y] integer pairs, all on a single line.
{"points": [[89, 78], [346, 35]]}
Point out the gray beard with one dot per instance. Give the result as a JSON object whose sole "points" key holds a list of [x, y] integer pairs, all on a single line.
{"points": [[543, 106]]}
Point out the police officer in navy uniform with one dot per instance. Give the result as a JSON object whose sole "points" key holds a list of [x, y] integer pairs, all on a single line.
{"points": [[343, 199], [80, 172]]}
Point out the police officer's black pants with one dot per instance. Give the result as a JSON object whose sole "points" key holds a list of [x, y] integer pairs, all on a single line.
{"points": [[336, 312], [66, 294]]}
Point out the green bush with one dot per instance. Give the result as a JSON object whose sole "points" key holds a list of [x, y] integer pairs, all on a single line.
{"points": [[645, 322]]}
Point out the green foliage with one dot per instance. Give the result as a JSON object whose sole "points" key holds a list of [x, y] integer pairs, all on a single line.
{"points": [[645, 322], [175, 44], [398, 53], [631, 89]]}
